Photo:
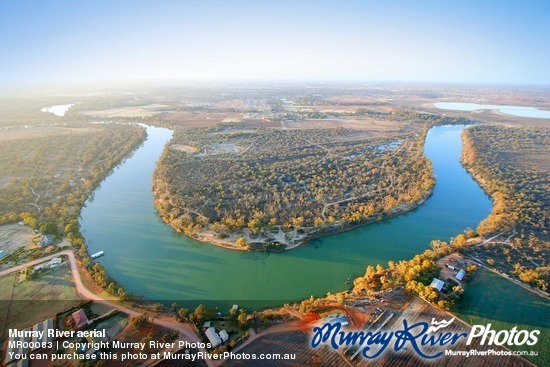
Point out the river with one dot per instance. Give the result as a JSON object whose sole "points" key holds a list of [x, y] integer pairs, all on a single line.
{"points": [[149, 258]]}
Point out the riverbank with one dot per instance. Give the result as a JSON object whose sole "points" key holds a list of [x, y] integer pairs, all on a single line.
{"points": [[519, 201], [123, 221], [254, 243], [287, 235]]}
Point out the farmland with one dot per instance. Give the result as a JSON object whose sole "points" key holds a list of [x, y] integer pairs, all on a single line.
{"points": [[47, 293]]}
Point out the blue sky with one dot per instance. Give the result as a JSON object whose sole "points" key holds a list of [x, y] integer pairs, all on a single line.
{"points": [[433, 41]]}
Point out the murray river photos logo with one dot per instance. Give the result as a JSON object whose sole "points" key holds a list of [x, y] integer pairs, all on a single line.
{"points": [[417, 337]]}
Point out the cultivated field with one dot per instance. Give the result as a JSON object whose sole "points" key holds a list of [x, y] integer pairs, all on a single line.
{"points": [[13, 236], [128, 111], [31, 301], [205, 119]]}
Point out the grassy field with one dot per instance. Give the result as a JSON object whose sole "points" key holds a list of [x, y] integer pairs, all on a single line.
{"points": [[507, 306], [113, 325], [13, 236], [34, 300]]}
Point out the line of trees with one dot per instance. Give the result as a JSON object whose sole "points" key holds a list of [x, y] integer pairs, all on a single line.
{"points": [[511, 163]]}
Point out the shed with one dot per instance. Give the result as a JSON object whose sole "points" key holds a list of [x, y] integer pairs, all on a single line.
{"points": [[460, 275], [213, 337], [224, 336], [437, 284]]}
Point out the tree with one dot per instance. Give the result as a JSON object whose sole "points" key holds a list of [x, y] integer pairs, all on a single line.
{"points": [[233, 313], [145, 340], [430, 294], [171, 336], [458, 290], [242, 319], [48, 228], [255, 225], [241, 242], [183, 314], [30, 220], [202, 313], [138, 321], [460, 240], [445, 304], [158, 307]]}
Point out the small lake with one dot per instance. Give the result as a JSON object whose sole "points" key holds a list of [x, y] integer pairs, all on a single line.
{"points": [[509, 110], [58, 110], [149, 258]]}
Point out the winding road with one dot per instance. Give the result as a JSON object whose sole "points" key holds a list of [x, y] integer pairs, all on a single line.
{"points": [[184, 329]]}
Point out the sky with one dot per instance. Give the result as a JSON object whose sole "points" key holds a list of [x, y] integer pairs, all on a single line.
{"points": [[466, 41]]}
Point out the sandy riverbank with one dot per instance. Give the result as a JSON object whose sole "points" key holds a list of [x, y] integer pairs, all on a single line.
{"points": [[291, 239]]}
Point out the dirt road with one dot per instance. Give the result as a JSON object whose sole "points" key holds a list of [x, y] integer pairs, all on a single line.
{"points": [[184, 330]]}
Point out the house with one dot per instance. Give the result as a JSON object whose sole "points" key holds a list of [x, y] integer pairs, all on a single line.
{"points": [[235, 307], [224, 336], [333, 318], [437, 284], [80, 318], [460, 275], [46, 241], [213, 337], [207, 324]]}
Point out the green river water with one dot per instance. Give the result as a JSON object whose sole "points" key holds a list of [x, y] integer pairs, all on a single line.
{"points": [[150, 259]]}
